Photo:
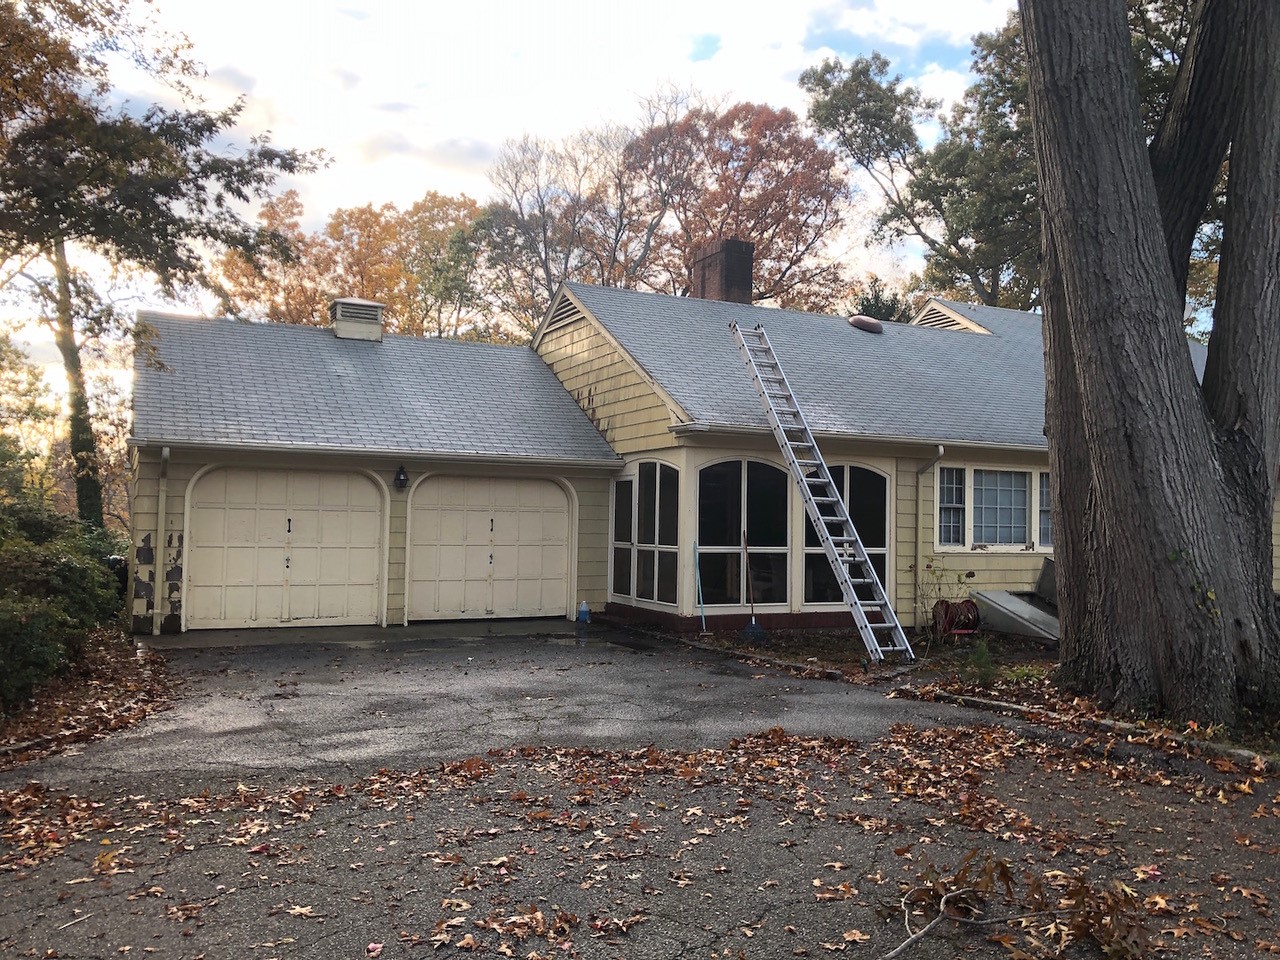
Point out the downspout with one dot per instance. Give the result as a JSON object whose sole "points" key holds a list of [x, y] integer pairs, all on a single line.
{"points": [[920, 525], [162, 503]]}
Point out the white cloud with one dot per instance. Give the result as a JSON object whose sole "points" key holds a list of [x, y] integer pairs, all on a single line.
{"points": [[942, 84], [910, 24]]}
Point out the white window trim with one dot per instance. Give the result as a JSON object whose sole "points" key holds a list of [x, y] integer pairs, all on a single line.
{"points": [[887, 550], [632, 475], [740, 549], [1033, 511]]}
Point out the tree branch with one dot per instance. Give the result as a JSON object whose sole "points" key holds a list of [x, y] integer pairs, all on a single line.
{"points": [[1191, 143]]}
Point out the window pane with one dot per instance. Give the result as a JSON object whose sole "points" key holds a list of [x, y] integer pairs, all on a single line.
{"points": [[646, 504], [766, 505], [951, 506], [644, 574], [810, 536], [879, 565], [666, 576], [768, 577], [1000, 511], [720, 506], [622, 511], [721, 577], [622, 571], [819, 581], [668, 506], [1046, 512], [868, 492]]}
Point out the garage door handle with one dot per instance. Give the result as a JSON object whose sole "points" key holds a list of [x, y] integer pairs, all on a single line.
{"points": [[286, 563], [491, 559], [288, 525]]}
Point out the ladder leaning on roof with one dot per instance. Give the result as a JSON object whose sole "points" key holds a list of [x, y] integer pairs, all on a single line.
{"points": [[822, 500]]}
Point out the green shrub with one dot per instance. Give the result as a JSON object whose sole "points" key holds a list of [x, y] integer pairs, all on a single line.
{"points": [[35, 638], [55, 589]]}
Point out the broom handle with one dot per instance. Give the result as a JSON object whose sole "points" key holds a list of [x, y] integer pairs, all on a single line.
{"points": [[751, 594]]}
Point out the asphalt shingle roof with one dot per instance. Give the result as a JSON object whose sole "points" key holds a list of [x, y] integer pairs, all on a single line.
{"points": [[288, 387], [909, 382]]}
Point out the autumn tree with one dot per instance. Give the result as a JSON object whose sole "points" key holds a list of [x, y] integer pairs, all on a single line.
{"points": [[629, 206], [753, 172], [292, 289], [970, 198], [149, 192], [421, 263], [1164, 487]]}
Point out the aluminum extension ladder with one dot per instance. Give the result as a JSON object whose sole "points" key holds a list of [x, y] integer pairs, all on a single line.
{"points": [[822, 501]]}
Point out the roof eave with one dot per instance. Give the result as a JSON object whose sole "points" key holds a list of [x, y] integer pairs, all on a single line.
{"points": [[578, 463], [702, 428]]}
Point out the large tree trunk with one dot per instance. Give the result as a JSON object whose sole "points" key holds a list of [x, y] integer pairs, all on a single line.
{"points": [[84, 448], [1162, 519]]}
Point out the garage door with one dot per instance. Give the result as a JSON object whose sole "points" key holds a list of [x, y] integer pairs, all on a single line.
{"points": [[273, 547], [488, 547]]}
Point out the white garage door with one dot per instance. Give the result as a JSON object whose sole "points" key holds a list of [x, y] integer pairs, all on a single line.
{"points": [[488, 547], [273, 547]]}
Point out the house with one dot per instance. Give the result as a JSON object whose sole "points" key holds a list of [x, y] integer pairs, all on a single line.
{"points": [[294, 475]]}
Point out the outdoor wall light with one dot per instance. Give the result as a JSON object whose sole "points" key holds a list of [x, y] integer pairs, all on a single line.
{"points": [[402, 478]]}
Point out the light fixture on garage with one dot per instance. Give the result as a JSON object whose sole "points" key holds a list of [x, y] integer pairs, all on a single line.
{"points": [[402, 478]]}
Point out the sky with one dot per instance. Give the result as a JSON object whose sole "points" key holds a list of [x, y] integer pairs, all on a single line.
{"points": [[417, 95]]}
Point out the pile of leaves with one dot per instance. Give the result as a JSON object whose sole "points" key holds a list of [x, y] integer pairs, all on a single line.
{"points": [[107, 688]]}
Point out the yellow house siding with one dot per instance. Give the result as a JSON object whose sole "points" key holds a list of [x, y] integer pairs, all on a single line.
{"points": [[942, 569], [593, 539], [630, 413]]}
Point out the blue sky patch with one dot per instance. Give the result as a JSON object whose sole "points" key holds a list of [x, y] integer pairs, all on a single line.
{"points": [[705, 47]]}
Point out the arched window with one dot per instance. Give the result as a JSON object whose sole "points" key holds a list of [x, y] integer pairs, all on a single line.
{"points": [[866, 494], [737, 498], [646, 533]]}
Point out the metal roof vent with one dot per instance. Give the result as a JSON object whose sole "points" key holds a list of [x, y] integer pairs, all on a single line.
{"points": [[863, 322], [351, 318]]}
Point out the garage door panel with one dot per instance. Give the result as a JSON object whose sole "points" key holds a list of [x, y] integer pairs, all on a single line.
{"points": [[304, 490], [240, 565], [555, 563], [209, 524], [205, 568], [273, 525], [476, 562], [304, 525], [238, 604], [529, 562], [269, 603], [270, 563], [479, 524], [204, 603], [457, 524], [475, 597], [273, 488], [245, 523], [241, 525], [304, 565]]}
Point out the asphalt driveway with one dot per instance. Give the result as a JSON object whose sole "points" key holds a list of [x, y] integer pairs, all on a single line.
{"points": [[357, 700], [406, 793]]}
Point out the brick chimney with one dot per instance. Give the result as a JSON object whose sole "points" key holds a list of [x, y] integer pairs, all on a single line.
{"points": [[722, 271]]}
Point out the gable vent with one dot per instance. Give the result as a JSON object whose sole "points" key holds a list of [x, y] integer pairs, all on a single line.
{"points": [[353, 319], [940, 319]]}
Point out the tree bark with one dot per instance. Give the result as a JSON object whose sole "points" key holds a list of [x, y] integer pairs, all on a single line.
{"points": [[84, 448], [1164, 552]]}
